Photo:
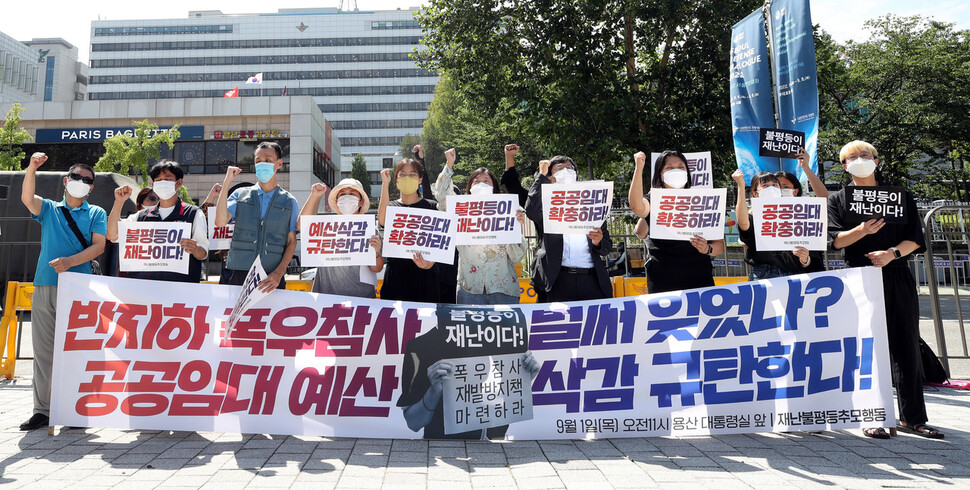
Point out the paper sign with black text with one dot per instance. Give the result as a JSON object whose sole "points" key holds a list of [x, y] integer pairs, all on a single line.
{"points": [[152, 246], [413, 230], [877, 202], [486, 391], [336, 240], [783, 223], [699, 164], [485, 219], [219, 236], [249, 295], [782, 143], [679, 214], [576, 208]]}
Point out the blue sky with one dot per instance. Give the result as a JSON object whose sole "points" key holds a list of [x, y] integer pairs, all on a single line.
{"points": [[25, 20]]}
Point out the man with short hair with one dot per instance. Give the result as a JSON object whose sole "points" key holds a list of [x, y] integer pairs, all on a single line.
{"points": [[266, 221], [166, 178], [61, 250]]}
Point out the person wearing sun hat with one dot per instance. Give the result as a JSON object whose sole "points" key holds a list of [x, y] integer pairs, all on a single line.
{"points": [[347, 197]]}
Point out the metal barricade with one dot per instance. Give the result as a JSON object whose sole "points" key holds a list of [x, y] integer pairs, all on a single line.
{"points": [[946, 227]]}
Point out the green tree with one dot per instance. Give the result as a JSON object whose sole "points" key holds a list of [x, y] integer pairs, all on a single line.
{"points": [[129, 154], [11, 139], [358, 170]]}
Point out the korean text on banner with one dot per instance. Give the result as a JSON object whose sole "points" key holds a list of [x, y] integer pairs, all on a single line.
{"points": [[336, 240], [219, 236], [249, 295], [485, 219], [783, 223], [152, 246], [751, 106], [679, 214], [806, 352], [699, 164], [782, 143], [576, 208], [796, 76], [408, 231], [877, 202]]}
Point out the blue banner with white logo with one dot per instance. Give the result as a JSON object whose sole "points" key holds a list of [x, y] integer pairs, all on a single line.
{"points": [[751, 106], [796, 81]]}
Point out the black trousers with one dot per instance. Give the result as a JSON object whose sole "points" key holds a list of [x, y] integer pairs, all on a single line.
{"points": [[234, 277], [570, 286], [902, 326]]}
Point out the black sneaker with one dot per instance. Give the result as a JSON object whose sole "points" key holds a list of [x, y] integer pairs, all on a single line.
{"points": [[36, 421]]}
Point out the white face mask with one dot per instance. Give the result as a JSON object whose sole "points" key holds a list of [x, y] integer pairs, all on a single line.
{"points": [[769, 192], [164, 189], [348, 204], [482, 188], [676, 178], [861, 168], [565, 176], [788, 193], [77, 189]]}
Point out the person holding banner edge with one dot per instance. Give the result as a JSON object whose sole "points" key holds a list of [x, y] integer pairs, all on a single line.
{"points": [[347, 197], [265, 217], [673, 265], [567, 267], [887, 246], [166, 178], [72, 235], [486, 273], [415, 279]]}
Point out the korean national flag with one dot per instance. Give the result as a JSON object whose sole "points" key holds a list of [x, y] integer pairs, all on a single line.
{"points": [[256, 79]]}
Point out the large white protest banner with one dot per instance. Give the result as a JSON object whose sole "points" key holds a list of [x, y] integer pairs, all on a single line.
{"points": [[805, 352], [679, 214], [336, 240], [576, 208], [699, 164], [783, 223], [153, 246], [408, 231], [219, 236], [485, 219]]}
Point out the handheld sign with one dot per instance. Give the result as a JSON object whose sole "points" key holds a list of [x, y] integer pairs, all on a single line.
{"points": [[413, 230], [248, 295], [576, 208], [783, 223], [679, 214], [485, 219], [152, 246], [219, 236], [699, 164], [782, 143], [336, 240], [877, 202]]}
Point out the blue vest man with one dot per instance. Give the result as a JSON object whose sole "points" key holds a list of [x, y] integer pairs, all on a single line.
{"points": [[61, 250], [166, 178], [266, 221]]}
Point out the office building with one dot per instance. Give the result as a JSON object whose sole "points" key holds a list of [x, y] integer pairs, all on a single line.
{"points": [[60, 76], [18, 71]]}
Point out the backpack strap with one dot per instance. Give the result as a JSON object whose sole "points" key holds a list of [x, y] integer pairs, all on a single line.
{"points": [[74, 228]]}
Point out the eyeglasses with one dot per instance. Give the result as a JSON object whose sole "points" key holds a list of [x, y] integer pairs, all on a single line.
{"points": [[82, 178]]}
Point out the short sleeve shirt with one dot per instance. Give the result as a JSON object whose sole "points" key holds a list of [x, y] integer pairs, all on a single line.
{"points": [[57, 239], [264, 200]]}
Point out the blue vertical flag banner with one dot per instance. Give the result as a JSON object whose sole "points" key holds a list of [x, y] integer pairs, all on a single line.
{"points": [[751, 107], [796, 80]]}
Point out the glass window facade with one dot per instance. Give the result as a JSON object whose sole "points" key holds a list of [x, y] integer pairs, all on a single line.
{"points": [[284, 75], [49, 80], [257, 43], [314, 91], [252, 60], [147, 30]]}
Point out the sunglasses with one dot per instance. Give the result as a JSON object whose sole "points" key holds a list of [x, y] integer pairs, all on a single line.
{"points": [[82, 178]]}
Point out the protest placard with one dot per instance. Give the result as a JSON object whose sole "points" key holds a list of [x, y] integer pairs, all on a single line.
{"points": [[413, 230], [699, 164], [153, 246], [679, 214], [876, 202], [485, 219], [576, 208], [248, 295], [783, 223], [336, 240], [782, 143], [486, 391], [219, 236]]}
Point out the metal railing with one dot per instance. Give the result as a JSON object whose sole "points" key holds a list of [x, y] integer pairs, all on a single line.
{"points": [[941, 225]]}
